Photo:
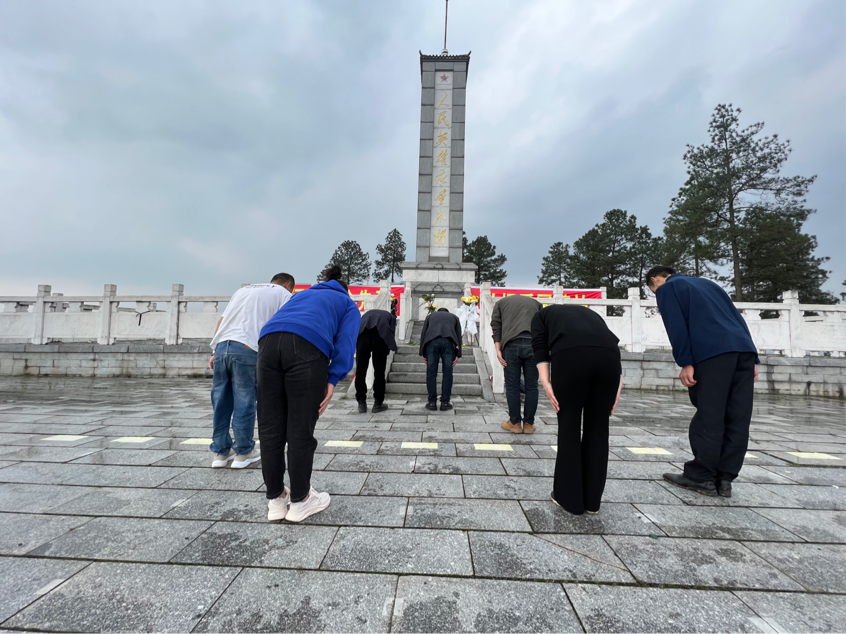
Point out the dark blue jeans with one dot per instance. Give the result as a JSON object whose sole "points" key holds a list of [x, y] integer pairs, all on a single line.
{"points": [[233, 397], [520, 358], [442, 350]]}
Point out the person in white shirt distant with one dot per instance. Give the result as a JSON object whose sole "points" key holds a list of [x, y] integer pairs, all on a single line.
{"points": [[233, 360]]}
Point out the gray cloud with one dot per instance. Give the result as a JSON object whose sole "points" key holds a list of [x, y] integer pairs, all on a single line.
{"points": [[217, 143]]}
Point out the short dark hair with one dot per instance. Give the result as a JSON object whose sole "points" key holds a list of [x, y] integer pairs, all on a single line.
{"points": [[443, 310], [334, 272], [283, 279], [659, 271]]}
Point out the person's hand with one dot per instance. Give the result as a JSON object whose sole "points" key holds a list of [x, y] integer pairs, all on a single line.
{"points": [[455, 362], [211, 366], [617, 400], [424, 359], [501, 359], [551, 396], [686, 376], [330, 390], [756, 373]]}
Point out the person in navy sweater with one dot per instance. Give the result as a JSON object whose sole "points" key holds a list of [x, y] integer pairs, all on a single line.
{"points": [[712, 344], [304, 350]]}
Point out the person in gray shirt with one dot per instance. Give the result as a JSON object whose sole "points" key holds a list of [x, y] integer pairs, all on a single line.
{"points": [[511, 326], [440, 342]]}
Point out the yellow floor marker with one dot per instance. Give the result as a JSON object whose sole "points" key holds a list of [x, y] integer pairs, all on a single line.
{"points": [[344, 443], [196, 441], [490, 447], [813, 456], [138, 439], [554, 448], [65, 438], [652, 451], [419, 445], [749, 455]]}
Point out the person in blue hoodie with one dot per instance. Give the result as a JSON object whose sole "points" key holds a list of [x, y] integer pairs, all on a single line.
{"points": [[713, 346], [304, 350]]}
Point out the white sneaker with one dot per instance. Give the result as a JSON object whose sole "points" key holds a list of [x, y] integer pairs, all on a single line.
{"points": [[314, 503], [222, 459], [245, 460], [277, 508]]}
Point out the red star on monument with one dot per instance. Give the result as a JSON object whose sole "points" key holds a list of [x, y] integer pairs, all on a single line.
{"points": [[444, 77]]}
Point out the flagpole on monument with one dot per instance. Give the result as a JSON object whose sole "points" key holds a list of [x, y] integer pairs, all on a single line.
{"points": [[446, 18]]}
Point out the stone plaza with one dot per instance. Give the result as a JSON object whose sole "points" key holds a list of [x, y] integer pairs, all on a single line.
{"points": [[111, 519]]}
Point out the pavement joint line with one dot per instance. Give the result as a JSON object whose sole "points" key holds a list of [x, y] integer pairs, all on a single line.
{"points": [[492, 447], [344, 443]]}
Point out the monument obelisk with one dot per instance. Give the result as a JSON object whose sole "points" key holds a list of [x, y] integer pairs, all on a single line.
{"points": [[438, 266]]}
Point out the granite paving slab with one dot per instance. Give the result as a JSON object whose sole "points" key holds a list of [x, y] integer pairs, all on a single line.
{"points": [[638, 492], [612, 519], [435, 604], [20, 533], [744, 494], [186, 459], [459, 466], [340, 482], [124, 502], [350, 510], [413, 484], [121, 597], [37, 498], [228, 506], [125, 457], [810, 497], [698, 562], [550, 557], [522, 467], [366, 447], [400, 550], [485, 515], [788, 612], [263, 545], [715, 523], [507, 451], [536, 438], [302, 601], [507, 487], [818, 567], [124, 539], [6, 463], [760, 475], [812, 526], [90, 475], [812, 475], [838, 461], [47, 454], [628, 609], [24, 579], [396, 448], [625, 470], [388, 464], [390, 436], [217, 479], [115, 443], [456, 437]]}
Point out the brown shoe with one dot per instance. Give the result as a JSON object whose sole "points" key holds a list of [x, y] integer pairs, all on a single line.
{"points": [[514, 429], [528, 429]]}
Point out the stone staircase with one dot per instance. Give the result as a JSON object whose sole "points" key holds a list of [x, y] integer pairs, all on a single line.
{"points": [[408, 372]]}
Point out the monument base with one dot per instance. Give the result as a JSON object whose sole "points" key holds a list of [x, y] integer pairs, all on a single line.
{"points": [[447, 281]]}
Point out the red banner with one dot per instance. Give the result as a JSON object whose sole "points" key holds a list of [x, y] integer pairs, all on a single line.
{"points": [[396, 292]]}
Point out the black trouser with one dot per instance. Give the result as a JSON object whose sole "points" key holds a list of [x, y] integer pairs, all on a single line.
{"points": [[292, 375], [519, 357], [370, 343], [439, 351], [719, 431], [585, 381]]}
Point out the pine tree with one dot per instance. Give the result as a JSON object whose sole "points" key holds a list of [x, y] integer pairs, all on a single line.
{"points": [[354, 262], [489, 265], [735, 173], [556, 266], [391, 257], [690, 243]]}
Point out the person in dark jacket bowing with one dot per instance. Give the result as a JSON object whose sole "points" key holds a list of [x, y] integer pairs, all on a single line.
{"points": [[376, 339], [584, 390], [440, 342]]}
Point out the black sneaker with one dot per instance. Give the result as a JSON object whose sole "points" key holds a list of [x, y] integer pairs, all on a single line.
{"points": [[705, 488], [362, 407], [445, 407], [379, 407], [432, 406], [724, 488]]}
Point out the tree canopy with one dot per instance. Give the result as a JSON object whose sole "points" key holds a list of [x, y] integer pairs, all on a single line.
{"points": [[555, 266], [354, 262], [391, 256], [482, 253]]}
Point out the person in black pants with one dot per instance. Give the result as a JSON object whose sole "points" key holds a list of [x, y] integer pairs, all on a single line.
{"points": [[376, 339], [440, 342], [714, 348], [584, 390]]}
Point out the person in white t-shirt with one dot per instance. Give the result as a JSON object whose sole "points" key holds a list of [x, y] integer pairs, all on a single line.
{"points": [[233, 360]]}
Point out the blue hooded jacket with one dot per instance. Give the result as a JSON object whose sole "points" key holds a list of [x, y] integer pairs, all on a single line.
{"points": [[325, 316]]}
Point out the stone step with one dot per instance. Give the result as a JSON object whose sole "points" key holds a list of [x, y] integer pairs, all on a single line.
{"points": [[458, 389], [419, 366], [420, 377]]}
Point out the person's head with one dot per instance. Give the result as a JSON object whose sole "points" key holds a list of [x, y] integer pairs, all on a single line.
{"points": [[334, 272], [284, 280], [657, 275]]}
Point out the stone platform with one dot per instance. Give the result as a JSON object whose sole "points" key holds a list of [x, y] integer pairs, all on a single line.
{"points": [[111, 519]]}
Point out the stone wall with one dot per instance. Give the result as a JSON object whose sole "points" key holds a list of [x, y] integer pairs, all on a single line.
{"points": [[814, 376]]}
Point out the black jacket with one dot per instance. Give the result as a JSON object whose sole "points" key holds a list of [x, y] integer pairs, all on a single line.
{"points": [[441, 324], [564, 326], [384, 323]]}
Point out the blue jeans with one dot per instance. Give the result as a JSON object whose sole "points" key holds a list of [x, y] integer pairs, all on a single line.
{"points": [[440, 349], [233, 397], [519, 357]]}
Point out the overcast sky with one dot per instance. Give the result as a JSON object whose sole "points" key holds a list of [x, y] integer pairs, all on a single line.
{"points": [[215, 143]]}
